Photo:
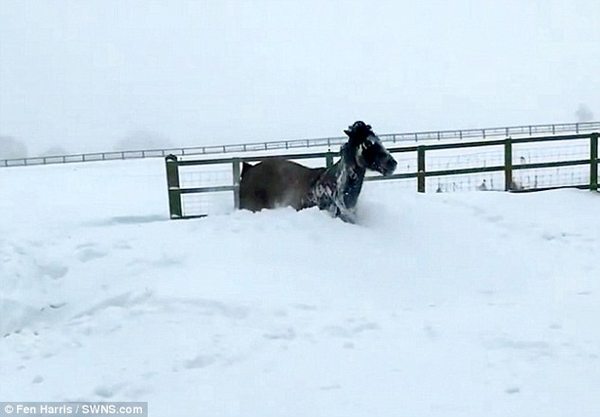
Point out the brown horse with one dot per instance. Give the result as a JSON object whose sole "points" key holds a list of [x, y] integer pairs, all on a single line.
{"points": [[279, 182]]}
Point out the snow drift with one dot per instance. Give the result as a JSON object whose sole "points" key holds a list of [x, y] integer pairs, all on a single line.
{"points": [[433, 305]]}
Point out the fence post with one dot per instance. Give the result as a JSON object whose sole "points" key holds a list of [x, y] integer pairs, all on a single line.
{"points": [[594, 162], [508, 168], [236, 183], [421, 168], [329, 159], [173, 186]]}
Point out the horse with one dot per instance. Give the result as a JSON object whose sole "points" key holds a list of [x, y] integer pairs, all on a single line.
{"points": [[279, 182]]}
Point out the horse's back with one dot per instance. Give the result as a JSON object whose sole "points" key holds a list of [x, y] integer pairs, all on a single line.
{"points": [[276, 182]]}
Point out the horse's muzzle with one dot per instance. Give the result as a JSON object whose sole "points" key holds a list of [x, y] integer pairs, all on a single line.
{"points": [[389, 166]]}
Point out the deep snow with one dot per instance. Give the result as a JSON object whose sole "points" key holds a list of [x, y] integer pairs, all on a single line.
{"points": [[463, 304]]}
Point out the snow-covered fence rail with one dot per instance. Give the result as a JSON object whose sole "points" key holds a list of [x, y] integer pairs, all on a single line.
{"points": [[507, 161], [324, 143]]}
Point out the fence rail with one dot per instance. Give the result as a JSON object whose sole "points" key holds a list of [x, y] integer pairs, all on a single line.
{"points": [[421, 174], [443, 135]]}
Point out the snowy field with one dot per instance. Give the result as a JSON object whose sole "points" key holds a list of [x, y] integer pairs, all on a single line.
{"points": [[461, 304]]}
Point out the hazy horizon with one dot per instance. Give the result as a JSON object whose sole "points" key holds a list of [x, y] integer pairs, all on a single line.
{"points": [[86, 76]]}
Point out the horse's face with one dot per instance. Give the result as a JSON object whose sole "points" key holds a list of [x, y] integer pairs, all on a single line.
{"points": [[370, 152]]}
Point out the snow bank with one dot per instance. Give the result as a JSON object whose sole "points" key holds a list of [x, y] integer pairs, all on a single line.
{"points": [[438, 304]]}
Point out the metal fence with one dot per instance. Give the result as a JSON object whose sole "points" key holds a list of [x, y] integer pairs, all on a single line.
{"points": [[418, 170], [326, 143]]}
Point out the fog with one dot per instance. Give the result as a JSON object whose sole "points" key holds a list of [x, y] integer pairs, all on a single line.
{"points": [[98, 75]]}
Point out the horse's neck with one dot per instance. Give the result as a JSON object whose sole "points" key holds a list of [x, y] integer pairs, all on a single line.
{"points": [[349, 178]]}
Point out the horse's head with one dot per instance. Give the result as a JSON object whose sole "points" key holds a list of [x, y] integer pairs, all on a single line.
{"points": [[370, 152]]}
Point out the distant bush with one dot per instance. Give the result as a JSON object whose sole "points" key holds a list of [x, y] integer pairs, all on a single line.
{"points": [[584, 114], [55, 151], [12, 148]]}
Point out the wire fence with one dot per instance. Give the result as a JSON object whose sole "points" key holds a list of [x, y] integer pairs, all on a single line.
{"points": [[330, 143]]}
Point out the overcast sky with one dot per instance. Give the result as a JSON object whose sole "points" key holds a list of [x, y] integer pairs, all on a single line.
{"points": [[85, 75]]}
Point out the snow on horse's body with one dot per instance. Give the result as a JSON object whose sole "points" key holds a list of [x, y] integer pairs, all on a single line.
{"points": [[278, 182]]}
